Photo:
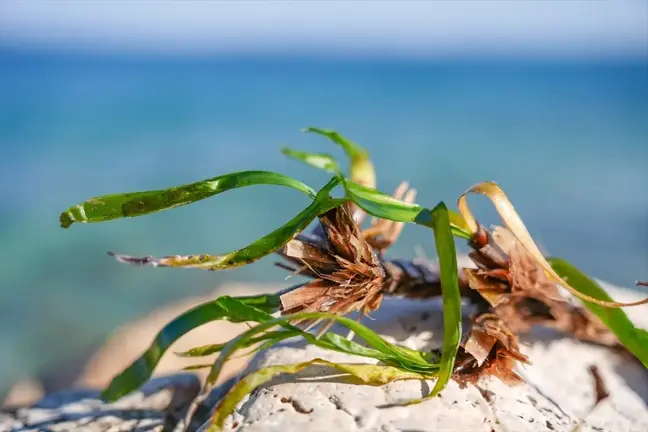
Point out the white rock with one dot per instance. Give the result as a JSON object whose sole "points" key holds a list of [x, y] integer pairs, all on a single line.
{"points": [[559, 392]]}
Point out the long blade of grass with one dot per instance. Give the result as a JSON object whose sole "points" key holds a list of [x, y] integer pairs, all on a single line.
{"points": [[242, 309], [115, 206], [367, 374], [207, 350], [253, 252], [390, 352], [331, 341], [439, 220], [342, 344], [268, 342], [514, 223], [362, 170], [633, 338], [451, 296]]}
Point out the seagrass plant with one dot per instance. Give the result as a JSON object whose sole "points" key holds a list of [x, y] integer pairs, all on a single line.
{"points": [[512, 285]]}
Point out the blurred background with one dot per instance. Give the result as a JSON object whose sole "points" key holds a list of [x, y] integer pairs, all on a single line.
{"points": [[549, 99]]}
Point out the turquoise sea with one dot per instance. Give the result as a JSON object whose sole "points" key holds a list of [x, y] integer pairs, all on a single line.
{"points": [[568, 141]]}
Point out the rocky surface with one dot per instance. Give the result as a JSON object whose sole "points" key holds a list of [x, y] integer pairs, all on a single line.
{"points": [[558, 396]]}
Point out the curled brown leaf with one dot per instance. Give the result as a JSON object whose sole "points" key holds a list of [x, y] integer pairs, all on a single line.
{"points": [[520, 292], [515, 225], [491, 349]]}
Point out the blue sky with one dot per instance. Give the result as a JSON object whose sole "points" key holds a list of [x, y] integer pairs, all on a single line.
{"points": [[590, 28]]}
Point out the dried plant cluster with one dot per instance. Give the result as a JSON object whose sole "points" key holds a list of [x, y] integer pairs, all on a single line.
{"points": [[510, 291], [512, 286]]}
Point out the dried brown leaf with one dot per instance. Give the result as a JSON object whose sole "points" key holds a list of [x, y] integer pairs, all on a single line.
{"points": [[528, 278], [522, 294], [488, 253], [383, 232], [479, 345], [514, 224], [311, 253], [492, 290], [491, 349], [348, 275], [304, 296]]}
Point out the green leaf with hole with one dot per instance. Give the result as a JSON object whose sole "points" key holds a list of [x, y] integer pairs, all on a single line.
{"points": [[132, 204]]}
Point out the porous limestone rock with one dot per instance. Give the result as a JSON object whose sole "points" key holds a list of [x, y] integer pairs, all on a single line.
{"points": [[558, 394]]}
